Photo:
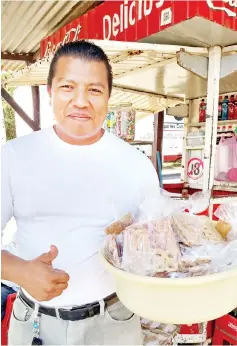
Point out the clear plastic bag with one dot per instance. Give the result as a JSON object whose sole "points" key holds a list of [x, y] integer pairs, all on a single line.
{"points": [[193, 230], [150, 248], [164, 241], [227, 214]]}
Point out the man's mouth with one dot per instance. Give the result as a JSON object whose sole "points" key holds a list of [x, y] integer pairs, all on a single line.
{"points": [[79, 116]]}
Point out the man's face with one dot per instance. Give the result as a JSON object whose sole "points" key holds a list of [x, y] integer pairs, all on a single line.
{"points": [[79, 96]]}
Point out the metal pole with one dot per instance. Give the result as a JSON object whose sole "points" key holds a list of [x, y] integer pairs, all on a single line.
{"points": [[211, 116]]}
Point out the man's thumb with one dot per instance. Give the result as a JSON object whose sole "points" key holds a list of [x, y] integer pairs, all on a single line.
{"points": [[48, 257]]}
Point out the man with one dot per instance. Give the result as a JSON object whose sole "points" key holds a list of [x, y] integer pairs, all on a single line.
{"points": [[64, 185]]}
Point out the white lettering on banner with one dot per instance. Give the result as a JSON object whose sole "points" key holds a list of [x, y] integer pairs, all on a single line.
{"points": [[148, 10], [231, 3], [231, 325], [115, 24], [132, 20], [70, 36], [127, 17]]}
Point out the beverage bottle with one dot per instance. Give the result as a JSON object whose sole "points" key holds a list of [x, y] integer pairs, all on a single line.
{"points": [[218, 135], [231, 107], [235, 108], [225, 108], [202, 111], [220, 108]]}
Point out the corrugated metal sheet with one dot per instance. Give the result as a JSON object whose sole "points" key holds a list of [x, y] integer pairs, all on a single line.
{"points": [[26, 23], [11, 65], [124, 62]]}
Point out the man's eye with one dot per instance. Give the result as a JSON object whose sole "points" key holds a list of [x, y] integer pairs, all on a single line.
{"points": [[66, 87], [94, 90]]}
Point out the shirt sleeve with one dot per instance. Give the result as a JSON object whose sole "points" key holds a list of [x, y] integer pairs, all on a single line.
{"points": [[6, 192]]}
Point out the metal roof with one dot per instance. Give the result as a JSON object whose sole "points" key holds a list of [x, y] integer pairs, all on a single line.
{"points": [[26, 23], [146, 75], [127, 60]]}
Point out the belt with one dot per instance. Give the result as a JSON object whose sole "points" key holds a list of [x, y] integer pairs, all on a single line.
{"points": [[76, 313]]}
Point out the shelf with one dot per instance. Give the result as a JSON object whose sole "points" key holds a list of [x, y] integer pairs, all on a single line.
{"points": [[221, 122], [223, 199], [199, 147], [225, 185], [139, 142]]}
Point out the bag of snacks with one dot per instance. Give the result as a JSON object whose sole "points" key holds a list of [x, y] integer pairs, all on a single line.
{"points": [[163, 240]]}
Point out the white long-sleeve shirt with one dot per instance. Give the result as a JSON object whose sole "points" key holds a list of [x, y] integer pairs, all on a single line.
{"points": [[65, 195]]}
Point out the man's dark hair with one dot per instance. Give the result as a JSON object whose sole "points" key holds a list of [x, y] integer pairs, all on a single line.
{"points": [[84, 50]]}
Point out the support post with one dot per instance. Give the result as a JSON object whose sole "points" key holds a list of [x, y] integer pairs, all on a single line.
{"points": [[19, 110], [158, 137], [36, 104], [211, 116]]}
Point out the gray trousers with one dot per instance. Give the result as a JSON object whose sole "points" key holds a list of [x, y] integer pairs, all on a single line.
{"points": [[117, 326]]}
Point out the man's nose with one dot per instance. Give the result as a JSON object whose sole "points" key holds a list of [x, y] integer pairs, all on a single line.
{"points": [[80, 99]]}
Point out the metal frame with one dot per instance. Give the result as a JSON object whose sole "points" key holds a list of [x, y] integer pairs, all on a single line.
{"points": [[213, 68]]}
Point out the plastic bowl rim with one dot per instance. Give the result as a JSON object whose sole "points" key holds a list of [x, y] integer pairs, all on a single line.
{"points": [[170, 281]]}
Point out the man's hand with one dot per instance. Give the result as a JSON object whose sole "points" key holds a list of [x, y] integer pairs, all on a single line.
{"points": [[41, 280]]}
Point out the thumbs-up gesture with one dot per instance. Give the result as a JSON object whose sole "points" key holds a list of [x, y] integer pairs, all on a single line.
{"points": [[41, 280]]}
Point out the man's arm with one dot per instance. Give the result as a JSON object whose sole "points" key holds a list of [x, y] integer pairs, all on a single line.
{"points": [[6, 191], [13, 268], [37, 276]]}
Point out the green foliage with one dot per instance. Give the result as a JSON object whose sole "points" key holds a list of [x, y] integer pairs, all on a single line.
{"points": [[9, 116]]}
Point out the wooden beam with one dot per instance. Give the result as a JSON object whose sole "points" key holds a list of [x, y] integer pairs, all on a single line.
{"points": [[36, 104], [154, 147], [158, 138], [7, 97], [16, 56], [161, 117]]}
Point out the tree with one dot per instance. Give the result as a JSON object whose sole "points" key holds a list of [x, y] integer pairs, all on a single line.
{"points": [[9, 116]]}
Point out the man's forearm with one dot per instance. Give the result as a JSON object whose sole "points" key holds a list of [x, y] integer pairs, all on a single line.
{"points": [[13, 268]]}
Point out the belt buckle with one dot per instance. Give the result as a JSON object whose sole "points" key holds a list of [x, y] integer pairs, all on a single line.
{"points": [[74, 314], [90, 310]]}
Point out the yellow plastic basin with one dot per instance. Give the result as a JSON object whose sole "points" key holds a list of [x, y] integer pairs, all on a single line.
{"points": [[177, 301]]}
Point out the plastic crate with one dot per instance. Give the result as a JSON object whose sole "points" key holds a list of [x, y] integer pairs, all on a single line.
{"points": [[6, 320], [225, 331]]}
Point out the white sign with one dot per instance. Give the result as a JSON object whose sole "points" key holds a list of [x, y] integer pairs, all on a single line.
{"points": [[195, 168], [166, 17]]}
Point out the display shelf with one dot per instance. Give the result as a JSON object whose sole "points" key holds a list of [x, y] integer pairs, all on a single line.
{"points": [[223, 199], [198, 147], [221, 122], [137, 142], [225, 185]]}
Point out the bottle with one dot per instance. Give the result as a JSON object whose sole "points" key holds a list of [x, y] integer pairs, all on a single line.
{"points": [[231, 107], [225, 108], [220, 108], [128, 117], [202, 111], [219, 132], [235, 108]]}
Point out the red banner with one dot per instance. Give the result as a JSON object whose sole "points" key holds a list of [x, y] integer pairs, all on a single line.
{"points": [[135, 20]]}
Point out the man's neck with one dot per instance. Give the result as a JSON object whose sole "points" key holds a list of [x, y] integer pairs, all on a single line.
{"points": [[77, 140]]}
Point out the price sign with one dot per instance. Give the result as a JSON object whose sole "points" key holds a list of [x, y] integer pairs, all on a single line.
{"points": [[195, 168]]}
